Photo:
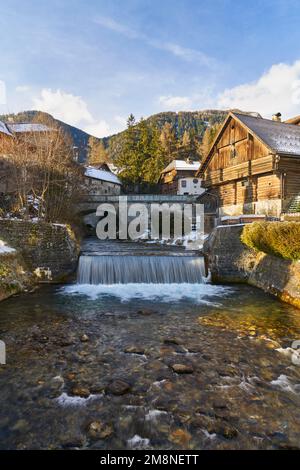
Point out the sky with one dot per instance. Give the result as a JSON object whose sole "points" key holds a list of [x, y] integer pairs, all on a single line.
{"points": [[91, 63]]}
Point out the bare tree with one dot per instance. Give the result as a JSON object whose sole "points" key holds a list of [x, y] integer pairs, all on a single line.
{"points": [[43, 171]]}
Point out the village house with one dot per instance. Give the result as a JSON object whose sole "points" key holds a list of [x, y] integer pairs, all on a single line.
{"points": [[253, 166], [179, 177], [98, 182], [10, 130]]}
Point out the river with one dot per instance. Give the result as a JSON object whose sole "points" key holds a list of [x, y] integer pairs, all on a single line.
{"points": [[169, 363]]}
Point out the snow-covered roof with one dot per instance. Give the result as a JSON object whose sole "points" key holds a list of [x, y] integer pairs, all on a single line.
{"points": [[103, 175], [4, 129], [15, 127], [182, 165]]}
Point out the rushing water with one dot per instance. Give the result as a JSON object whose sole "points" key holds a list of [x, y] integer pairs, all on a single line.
{"points": [[243, 389], [127, 269]]}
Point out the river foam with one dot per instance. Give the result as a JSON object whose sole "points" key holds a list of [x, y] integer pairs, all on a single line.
{"points": [[198, 293]]}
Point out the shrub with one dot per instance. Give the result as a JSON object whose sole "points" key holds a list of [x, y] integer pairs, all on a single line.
{"points": [[275, 238]]}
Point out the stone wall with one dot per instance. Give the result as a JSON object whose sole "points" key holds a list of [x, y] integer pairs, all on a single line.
{"points": [[14, 277], [229, 260], [48, 250]]}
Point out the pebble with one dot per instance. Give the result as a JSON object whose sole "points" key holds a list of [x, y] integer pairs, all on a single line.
{"points": [[134, 350], [118, 387], [84, 338], [99, 430], [182, 368], [80, 391]]}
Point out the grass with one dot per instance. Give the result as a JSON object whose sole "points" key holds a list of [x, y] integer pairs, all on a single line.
{"points": [[275, 238]]}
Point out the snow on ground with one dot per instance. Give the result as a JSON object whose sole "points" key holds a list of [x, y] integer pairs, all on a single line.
{"points": [[5, 248]]}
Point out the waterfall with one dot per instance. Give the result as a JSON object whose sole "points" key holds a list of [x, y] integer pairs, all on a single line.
{"points": [[140, 269]]}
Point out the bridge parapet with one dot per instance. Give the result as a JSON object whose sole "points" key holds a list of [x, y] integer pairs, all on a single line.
{"points": [[146, 198]]}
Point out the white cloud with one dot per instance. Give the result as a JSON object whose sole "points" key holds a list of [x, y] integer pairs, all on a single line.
{"points": [[65, 106], [121, 120], [98, 129], [175, 103], [278, 89], [72, 110], [187, 54]]}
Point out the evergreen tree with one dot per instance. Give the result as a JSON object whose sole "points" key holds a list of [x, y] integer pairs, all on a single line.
{"points": [[129, 158]]}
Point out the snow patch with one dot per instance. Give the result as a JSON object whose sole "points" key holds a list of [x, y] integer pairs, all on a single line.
{"points": [[5, 248]]}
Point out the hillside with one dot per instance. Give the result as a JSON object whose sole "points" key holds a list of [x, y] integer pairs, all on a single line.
{"points": [[181, 121], [79, 137]]}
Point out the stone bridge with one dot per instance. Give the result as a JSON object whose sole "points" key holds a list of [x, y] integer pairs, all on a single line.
{"points": [[87, 208]]}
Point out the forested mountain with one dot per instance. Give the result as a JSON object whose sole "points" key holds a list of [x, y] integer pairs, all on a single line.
{"points": [[194, 122]]}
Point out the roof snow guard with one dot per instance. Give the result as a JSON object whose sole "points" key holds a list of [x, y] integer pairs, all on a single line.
{"points": [[4, 129], [282, 138], [103, 175]]}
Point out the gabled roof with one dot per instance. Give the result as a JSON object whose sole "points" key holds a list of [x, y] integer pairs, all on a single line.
{"points": [[280, 137], [181, 165], [103, 175], [4, 129]]}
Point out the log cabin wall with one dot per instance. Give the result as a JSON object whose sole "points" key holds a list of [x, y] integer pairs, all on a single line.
{"points": [[242, 173]]}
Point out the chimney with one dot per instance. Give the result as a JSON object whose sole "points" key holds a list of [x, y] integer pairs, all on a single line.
{"points": [[276, 117]]}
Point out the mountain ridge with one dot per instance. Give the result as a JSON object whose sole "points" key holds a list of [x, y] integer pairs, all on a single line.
{"points": [[180, 121]]}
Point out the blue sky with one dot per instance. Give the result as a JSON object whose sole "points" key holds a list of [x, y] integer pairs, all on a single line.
{"points": [[92, 63]]}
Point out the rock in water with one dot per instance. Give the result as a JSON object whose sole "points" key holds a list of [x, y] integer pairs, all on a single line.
{"points": [[182, 368], [99, 430], [134, 350], [84, 338], [81, 392], [118, 387]]}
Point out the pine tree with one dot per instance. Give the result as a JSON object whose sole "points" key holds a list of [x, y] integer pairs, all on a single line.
{"points": [[129, 158]]}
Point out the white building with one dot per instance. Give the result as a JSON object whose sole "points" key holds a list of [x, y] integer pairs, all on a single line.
{"points": [[179, 177]]}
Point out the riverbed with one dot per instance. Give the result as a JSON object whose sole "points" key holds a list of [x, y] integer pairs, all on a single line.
{"points": [[152, 366]]}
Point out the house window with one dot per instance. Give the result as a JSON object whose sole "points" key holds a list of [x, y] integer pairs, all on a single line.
{"points": [[195, 181], [183, 183]]}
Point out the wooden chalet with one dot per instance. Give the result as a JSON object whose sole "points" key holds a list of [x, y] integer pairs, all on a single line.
{"points": [[253, 166]]}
